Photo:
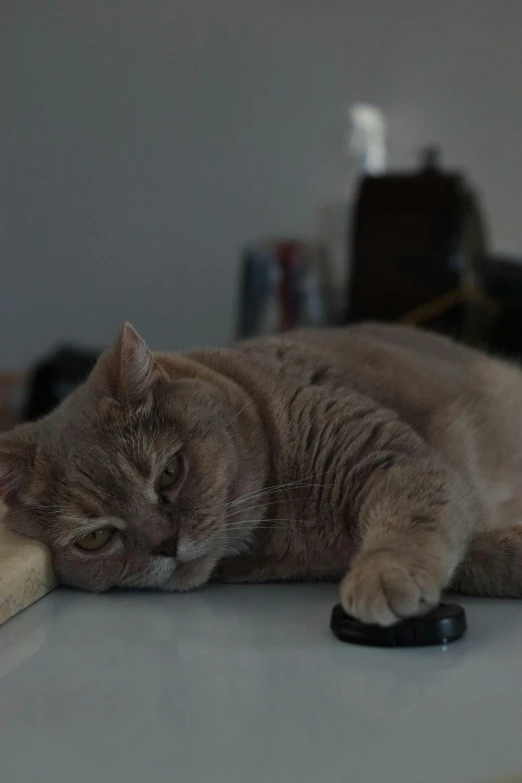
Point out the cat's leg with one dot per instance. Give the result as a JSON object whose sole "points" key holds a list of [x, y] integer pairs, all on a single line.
{"points": [[492, 565], [414, 523]]}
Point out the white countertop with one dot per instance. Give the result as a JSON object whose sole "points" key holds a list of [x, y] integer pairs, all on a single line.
{"points": [[247, 685]]}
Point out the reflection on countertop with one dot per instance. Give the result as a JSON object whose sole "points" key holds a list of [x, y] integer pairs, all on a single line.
{"points": [[247, 685]]}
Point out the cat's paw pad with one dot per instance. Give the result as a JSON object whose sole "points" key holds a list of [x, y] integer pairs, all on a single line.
{"points": [[384, 588]]}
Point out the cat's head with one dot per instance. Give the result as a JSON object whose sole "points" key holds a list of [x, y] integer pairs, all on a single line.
{"points": [[128, 479]]}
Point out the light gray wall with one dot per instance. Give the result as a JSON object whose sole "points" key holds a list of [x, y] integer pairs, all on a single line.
{"points": [[144, 142]]}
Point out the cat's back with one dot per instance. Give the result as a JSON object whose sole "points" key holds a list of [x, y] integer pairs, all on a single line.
{"points": [[415, 372], [384, 361], [381, 347], [415, 363]]}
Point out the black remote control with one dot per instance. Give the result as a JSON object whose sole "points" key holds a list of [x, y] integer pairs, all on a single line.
{"points": [[445, 624]]}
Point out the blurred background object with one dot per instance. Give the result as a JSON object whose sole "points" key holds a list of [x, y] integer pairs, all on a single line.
{"points": [[12, 390], [285, 284], [145, 147], [53, 378], [367, 138], [418, 251]]}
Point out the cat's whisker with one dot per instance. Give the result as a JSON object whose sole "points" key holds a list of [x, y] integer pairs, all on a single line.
{"points": [[284, 528], [252, 495], [268, 526], [275, 488], [249, 402], [264, 493], [243, 510]]}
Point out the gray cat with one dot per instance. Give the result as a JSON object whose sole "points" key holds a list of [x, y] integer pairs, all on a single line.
{"points": [[385, 457]]}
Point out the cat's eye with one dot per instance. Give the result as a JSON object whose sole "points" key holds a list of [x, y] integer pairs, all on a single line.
{"points": [[172, 473], [95, 540]]}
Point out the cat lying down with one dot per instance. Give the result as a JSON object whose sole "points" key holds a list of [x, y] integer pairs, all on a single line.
{"points": [[385, 457]]}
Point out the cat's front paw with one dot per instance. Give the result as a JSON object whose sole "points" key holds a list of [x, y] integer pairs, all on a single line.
{"points": [[384, 587]]}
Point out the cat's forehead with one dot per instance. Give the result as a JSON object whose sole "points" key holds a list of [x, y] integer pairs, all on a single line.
{"points": [[85, 418]]}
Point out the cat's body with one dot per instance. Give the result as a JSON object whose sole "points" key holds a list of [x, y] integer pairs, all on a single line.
{"points": [[385, 456]]}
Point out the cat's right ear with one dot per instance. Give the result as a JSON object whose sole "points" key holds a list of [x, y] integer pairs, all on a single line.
{"points": [[16, 451], [129, 367]]}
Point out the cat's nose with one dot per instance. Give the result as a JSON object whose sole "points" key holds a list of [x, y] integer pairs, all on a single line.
{"points": [[168, 547]]}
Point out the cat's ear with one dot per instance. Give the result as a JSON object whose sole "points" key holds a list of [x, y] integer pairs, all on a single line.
{"points": [[132, 369], [16, 452]]}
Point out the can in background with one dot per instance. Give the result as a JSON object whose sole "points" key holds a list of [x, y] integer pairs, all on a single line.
{"points": [[284, 285]]}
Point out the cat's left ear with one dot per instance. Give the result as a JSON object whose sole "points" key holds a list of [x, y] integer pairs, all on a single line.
{"points": [[133, 372]]}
